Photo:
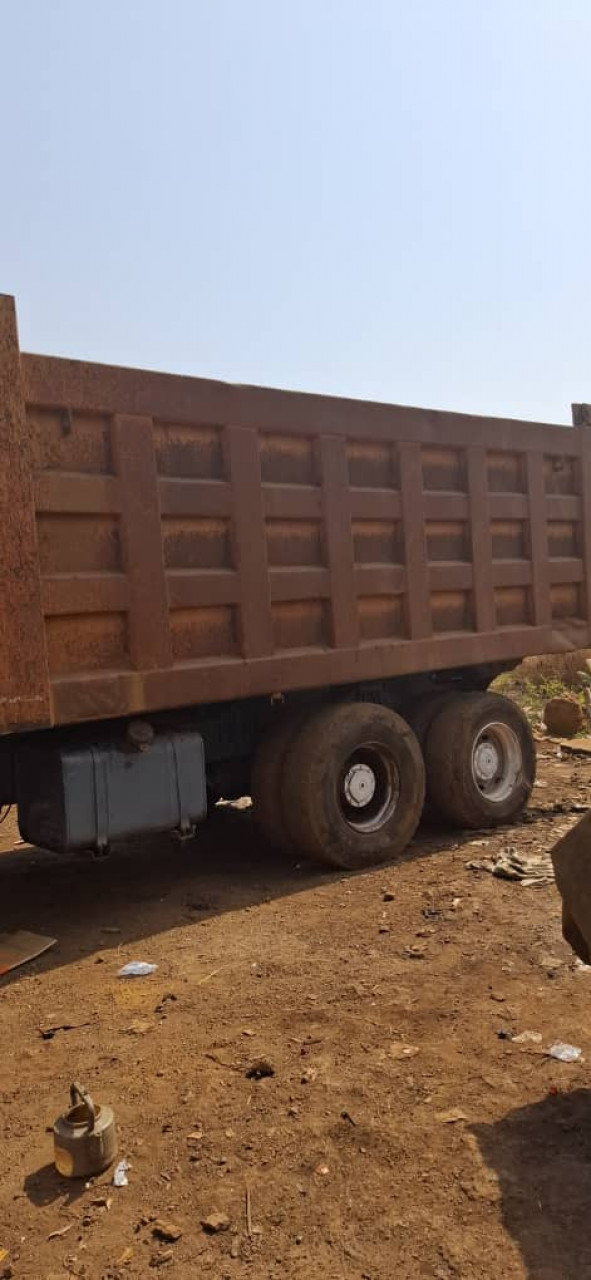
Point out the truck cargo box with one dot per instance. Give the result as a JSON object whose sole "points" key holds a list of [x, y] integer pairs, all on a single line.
{"points": [[168, 541]]}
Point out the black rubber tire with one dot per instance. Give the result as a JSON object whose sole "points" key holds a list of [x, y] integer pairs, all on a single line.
{"points": [[421, 713], [312, 778], [265, 787], [448, 758], [420, 716]]}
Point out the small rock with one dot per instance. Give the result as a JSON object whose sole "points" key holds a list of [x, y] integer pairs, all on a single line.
{"points": [[162, 1259], [298, 1239], [453, 1116], [384, 928], [125, 1258], [387, 896], [167, 1231], [483, 1186], [166, 999], [563, 716], [215, 1223], [309, 1075], [139, 1027], [260, 1070], [235, 1247], [102, 1202], [401, 1051], [293, 1111], [322, 1170]]}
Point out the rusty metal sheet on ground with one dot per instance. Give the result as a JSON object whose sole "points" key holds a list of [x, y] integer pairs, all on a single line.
{"points": [[576, 746], [18, 948]]}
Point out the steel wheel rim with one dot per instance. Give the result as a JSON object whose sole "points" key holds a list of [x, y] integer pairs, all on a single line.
{"points": [[369, 787], [496, 761]]}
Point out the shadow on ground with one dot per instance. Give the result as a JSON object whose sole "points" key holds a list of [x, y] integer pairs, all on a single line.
{"points": [[152, 885], [541, 1155], [45, 1186]]}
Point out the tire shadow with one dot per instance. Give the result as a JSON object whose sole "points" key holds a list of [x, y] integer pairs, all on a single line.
{"points": [[541, 1155]]}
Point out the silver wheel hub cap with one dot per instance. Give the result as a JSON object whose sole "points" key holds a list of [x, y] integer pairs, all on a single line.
{"points": [[359, 785], [497, 761], [486, 761]]}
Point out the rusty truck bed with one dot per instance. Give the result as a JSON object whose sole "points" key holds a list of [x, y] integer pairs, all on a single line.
{"points": [[167, 541]]}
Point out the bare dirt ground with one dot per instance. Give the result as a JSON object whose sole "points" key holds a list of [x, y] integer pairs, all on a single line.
{"points": [[377, 1017]]}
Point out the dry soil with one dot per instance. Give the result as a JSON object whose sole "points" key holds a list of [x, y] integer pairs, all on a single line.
{"points": [[401, 1134]]}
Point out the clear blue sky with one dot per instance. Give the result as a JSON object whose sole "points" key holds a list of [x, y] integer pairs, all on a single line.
{"points": [[369, 197]]}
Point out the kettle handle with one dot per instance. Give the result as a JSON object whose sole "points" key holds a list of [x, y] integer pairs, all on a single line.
{"points": [[76, 1091]]}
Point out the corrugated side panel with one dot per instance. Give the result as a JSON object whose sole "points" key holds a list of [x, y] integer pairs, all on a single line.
{"points": [[198, 542]]}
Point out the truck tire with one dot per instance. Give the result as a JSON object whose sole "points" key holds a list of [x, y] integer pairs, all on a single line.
{"points": [[266, 779], [353, 785], [421, 713], [480, 759]]}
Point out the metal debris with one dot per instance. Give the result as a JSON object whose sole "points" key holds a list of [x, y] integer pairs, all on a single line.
{"points": [[20, 947]]}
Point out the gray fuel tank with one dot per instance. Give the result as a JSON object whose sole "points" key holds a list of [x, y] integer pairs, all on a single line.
{"points": [[86, 796]]}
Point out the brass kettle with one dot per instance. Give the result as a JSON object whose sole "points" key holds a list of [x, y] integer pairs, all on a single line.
{"points": [[84, 1137]]}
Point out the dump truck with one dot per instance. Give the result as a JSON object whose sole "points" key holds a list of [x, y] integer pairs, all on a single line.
{"points": [[212, 590]]}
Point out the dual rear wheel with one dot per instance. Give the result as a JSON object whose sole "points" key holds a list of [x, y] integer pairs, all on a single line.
{"points": [[346, 785]]}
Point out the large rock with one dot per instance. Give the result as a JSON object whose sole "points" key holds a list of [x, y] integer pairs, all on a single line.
{"points": [[571, 858], [563, 716]]}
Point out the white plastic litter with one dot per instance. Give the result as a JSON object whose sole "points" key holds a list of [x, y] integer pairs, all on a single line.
{"points": [[564, 1052], [137, 969], [120, 1178]]}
